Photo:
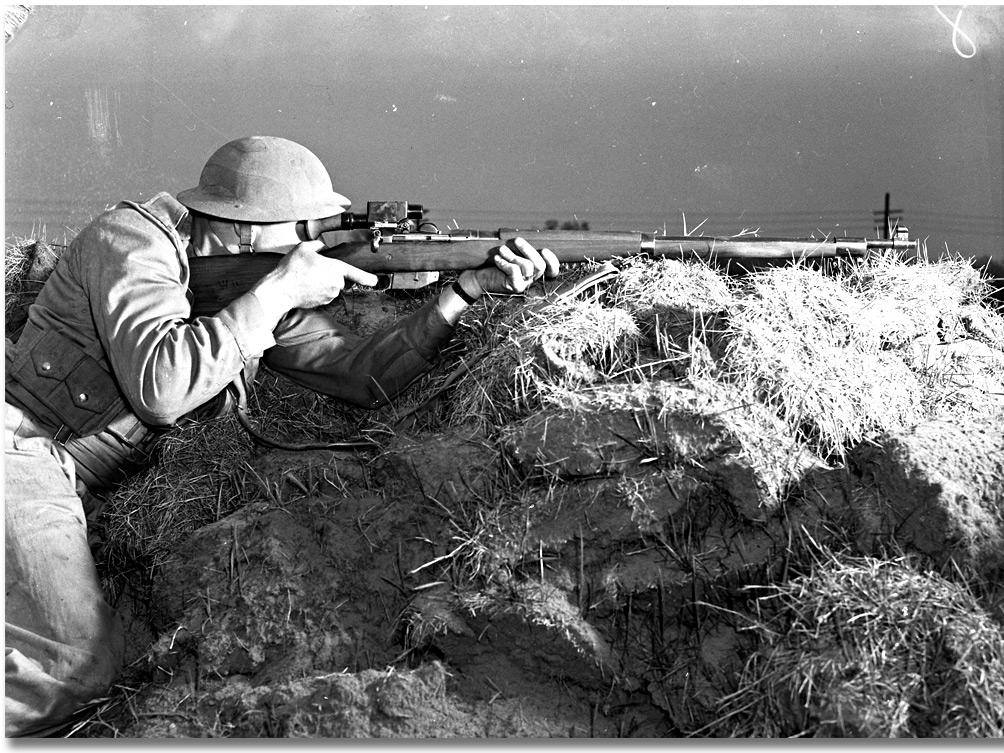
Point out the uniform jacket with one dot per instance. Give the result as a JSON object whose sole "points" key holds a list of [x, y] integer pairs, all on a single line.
{"points": [[110, 350]]}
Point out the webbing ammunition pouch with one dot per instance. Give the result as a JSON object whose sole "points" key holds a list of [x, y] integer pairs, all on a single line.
{"points": [[77, 398], [64, 385]]}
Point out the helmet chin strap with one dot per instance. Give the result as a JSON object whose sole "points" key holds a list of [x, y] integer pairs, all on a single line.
{"points": [[245, 231], [211, 236]]}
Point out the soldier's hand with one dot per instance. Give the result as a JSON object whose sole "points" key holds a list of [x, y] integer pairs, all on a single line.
{"points": [[517, 265], [305, 279]]}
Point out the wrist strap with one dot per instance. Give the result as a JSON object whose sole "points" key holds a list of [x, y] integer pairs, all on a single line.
{"points": [[464, 295]]}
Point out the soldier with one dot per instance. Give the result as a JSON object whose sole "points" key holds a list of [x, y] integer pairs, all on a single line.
{"points": [[110, 353]]}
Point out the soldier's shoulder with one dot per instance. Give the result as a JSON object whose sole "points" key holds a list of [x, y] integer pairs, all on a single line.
{"points": [[154, 218]]}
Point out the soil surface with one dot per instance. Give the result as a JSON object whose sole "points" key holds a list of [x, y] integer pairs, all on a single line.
{"points": [[592, 569]]}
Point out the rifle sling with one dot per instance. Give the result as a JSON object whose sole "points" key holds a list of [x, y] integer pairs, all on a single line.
{"points": [[239, 390]]}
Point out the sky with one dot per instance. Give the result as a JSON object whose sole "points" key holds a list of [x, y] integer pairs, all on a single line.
{"points": [[790, 118]]}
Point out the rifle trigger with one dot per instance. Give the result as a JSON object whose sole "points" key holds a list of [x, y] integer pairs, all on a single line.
{"points": [[376, 238]]}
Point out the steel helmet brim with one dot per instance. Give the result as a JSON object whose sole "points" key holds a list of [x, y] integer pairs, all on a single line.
{"points": [[263, 179], [229, 208]]}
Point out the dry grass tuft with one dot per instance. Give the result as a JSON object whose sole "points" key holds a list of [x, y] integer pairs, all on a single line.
{"points": [[534, 350], [877, 347], [905, 299], [27, 265], [291, 413], [14, 17], [673, 302], [870, 648], [937, 316], [799, 340], [200, 475], [646, 286]]}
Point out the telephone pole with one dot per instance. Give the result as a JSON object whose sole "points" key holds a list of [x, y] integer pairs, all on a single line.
{"points": [[891, 218]]}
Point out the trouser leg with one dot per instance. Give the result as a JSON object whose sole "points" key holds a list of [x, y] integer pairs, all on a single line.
{"points": [[63, 642]]}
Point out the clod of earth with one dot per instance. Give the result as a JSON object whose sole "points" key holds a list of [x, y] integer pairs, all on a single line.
{"points": [[942, 489]]}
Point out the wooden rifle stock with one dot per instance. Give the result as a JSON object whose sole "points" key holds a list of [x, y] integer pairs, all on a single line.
{"points": [[217, 280]]}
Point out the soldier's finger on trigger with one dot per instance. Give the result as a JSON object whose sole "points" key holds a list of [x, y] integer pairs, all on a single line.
{"points": [[354, 274]]}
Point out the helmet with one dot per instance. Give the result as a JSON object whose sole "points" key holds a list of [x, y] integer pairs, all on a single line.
{"points": [[262, 179]]}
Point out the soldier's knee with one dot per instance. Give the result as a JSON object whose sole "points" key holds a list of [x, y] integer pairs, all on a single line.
{"points": [[47, 680], [106, 645], [96, 666]]}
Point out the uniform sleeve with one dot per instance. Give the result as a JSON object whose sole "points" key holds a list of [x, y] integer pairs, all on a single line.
{"points": [[315, 350], [138, 295]]}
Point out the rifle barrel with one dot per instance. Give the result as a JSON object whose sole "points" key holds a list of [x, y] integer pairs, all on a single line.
{"points": [[217, 280], [417, 252]]}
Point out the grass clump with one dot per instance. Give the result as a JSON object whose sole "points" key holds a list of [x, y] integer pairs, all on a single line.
{"points": [[200, 474], [647, 286], [904, 300], [862, 647], [938, 317], [14, 17], [831, 352], [534, 350], [673, 301], [797, 339], [27, 265]]}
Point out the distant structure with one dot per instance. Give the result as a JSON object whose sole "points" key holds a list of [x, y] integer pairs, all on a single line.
{"points": [[575, 224], [887, 220]]}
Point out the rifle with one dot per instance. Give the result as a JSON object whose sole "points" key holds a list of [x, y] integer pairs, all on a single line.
{"points": [[393, 239]]}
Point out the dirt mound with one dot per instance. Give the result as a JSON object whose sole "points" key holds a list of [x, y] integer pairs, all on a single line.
{"points": [[391, 703], [269, 594], [570, 536], [714, 435], [283, 618], [943, 488], [937, 489]]}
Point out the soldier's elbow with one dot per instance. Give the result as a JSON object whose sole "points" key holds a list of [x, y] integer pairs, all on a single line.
{"points": [[160, 408], [159, 416]]}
